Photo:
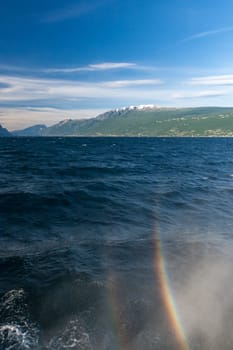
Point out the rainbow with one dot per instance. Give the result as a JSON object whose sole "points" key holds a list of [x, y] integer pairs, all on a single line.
{"points": [[166, 295], [167, 298]]}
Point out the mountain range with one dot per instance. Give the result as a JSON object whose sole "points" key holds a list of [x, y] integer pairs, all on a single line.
{"points": [[4, 132], [35, 130], [145, 120]]}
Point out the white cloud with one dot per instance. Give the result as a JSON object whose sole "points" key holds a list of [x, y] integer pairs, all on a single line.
{"points": [[112, 65], [198, 94], [213, 80], [208, 33], [18, 89], [128, 83], [5, 67], [25, 89], [94, 67], [33, 89]]}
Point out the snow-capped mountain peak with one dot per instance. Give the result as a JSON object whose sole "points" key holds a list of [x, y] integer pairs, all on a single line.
{"points": [[137, 108]]}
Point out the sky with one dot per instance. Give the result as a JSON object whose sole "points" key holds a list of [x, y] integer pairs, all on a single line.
{"points": [[75, 59]]}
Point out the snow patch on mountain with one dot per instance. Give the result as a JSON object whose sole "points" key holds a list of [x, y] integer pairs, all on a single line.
{"points": [[137, 108]]}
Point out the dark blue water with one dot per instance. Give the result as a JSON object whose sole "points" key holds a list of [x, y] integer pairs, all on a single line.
{"points": [[79, 218]]}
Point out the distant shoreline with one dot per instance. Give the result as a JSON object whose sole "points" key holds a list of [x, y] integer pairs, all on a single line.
{"points": [[118, 136]]}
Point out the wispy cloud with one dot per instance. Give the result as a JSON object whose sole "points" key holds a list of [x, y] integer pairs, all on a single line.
{"points": [[125, 65], [198, 94], [94, 67], [68, 92], [214, 80], [208, 33], [128, 83], [25, 89], [5, 67], [112, 65], [73, 11]]}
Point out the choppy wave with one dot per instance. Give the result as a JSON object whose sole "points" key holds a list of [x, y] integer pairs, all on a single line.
{"points": [[17, 330], [79, 222]]}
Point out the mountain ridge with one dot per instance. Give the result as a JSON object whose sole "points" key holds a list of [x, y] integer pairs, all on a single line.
{"points": [[34, 130], [4, 132], [149, 120]]}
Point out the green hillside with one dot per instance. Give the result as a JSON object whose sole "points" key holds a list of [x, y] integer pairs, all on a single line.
{"points": [[210, 121]]}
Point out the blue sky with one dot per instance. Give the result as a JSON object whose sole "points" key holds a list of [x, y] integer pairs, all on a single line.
{"points": [[74, 59]]}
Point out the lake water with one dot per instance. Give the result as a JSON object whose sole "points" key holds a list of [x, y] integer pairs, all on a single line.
{"points": [[116, 243]]}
